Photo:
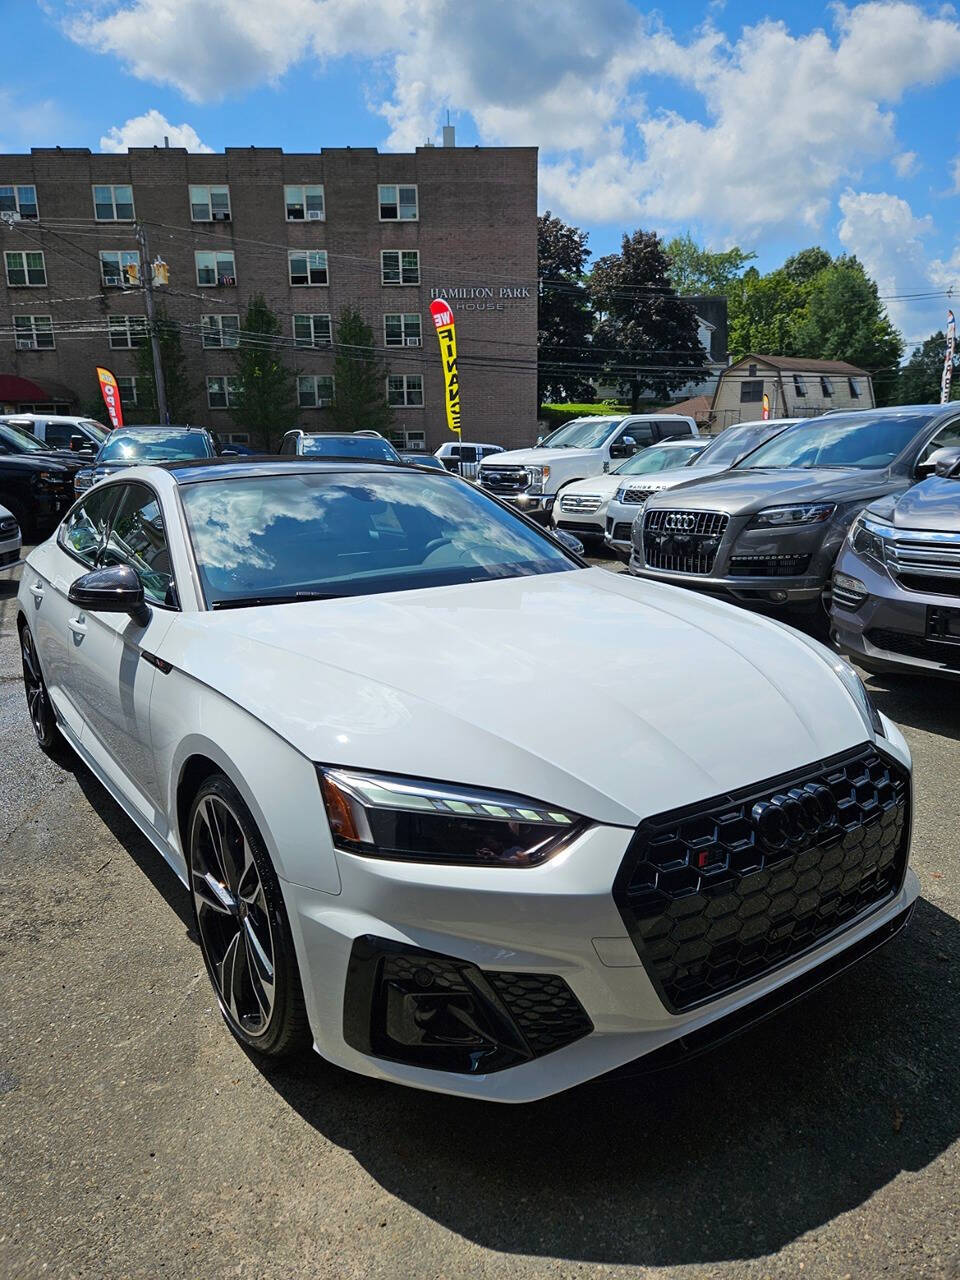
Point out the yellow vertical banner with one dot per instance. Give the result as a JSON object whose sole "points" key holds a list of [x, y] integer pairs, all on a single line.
{"points": [[447, 337]]}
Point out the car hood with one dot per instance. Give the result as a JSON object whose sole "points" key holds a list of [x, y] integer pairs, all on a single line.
{"points": [[606, 485], [538, 457], [744, 492], [933, 504], [669, 478], [36, 462], [614, 697]]}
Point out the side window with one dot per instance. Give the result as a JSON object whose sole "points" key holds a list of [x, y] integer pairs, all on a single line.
{"points": [[138, 539], [84, 529], [670, 430], [642, 432], [58, 434], [289, 444], [946, 438]]}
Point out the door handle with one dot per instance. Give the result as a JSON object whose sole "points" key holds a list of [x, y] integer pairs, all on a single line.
{"points": [[77, 626], [36, 591]]}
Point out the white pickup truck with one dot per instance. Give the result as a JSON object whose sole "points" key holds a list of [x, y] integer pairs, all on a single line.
{"points": [[532, 478]]}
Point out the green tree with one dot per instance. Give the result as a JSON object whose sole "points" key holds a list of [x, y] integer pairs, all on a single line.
{"points": [[762, 313], [919, 379], [180, 388], [359, 378], [266, 403], [564, 318], [695, 270], [647, 334], [844, 319]]}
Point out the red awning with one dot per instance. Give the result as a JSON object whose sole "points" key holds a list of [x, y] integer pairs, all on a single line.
{"points": [[14, 388]]}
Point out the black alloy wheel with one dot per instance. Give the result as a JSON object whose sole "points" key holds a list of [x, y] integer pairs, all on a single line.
{"points": [[42, 715], [242, 924]]}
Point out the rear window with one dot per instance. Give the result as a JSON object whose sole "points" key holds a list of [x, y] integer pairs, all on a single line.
{"points": [[154, 446], [349, 447]]}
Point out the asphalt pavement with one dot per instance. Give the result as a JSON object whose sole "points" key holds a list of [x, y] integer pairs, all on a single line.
{"points": [[138, 1140]]}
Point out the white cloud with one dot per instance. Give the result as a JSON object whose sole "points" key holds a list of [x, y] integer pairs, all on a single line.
{"points": [[149, 130], [905, 164], [785, 119]]}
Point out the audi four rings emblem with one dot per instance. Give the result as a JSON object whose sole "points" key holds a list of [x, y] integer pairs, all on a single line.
{"points": [[795, 817], [678, 523]]}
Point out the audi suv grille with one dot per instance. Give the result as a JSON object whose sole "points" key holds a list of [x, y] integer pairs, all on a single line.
{"points": [[682, 541], [721, 893]]}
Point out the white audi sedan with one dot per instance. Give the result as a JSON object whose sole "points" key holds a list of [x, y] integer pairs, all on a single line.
{"points": [[448, 804]]}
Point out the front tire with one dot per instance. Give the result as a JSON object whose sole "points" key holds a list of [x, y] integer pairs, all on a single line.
{"points": [[242, 924], [42, 715]]}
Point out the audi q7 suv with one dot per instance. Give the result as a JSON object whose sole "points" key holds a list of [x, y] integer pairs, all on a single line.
{"points": [[769, 530]]}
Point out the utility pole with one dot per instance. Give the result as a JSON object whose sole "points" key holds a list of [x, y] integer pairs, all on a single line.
{"points": [[146, 275]]}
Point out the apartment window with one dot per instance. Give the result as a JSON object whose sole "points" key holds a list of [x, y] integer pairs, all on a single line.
{"points": [[304, 204], [854, 388], [415, 440], [127, 387], [120, 267], [215, 268], [308, 266], [400, 266], [25, 268], [126, 331], [209, 204], [113, 204], [405, 391], [312, 331], [751, 392], [398, 204], [223, 392], [33, 333], [402, 330], [315, 390], [826, 387], [19, 201], [220, 331], [799, 386]]}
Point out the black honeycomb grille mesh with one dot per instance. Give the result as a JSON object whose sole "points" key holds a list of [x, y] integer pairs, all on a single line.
{"points": [[710, 908], [543, 1007]]}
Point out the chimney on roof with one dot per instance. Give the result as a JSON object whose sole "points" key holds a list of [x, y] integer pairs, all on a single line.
{"points": [[449, 135], [166, 141]]}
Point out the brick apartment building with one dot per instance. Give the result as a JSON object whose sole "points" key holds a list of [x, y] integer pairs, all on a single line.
{"points": [[313, 232]]}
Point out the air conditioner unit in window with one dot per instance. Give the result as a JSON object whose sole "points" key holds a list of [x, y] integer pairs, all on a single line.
{"points": [[412, 342], [221, 215], [112, 280], [314, 215], [24, 344], [324, 403]]}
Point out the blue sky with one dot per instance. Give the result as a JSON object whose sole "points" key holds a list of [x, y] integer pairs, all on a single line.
{"points": [[773, 126]]}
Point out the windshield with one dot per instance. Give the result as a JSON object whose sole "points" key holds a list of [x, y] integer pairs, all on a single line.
{"points": [[657, 458], [154, 446], [20, 441], [736, 442], [96, 429], [261, 539], [863, 443], [349, 447], [581, 433]]}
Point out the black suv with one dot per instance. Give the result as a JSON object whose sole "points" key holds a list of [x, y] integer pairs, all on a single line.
{"points": [[36, 483], [769, 530]]}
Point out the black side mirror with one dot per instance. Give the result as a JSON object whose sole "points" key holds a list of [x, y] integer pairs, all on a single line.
{"points": [[116, 589]]}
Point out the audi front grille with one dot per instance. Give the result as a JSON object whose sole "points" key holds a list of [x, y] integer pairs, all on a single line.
{"points": [[682, 541], [718, 894]]}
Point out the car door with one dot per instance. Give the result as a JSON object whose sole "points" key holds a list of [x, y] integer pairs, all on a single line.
{"points": [[112, 653], [54, 566], [948, 437], [642, 434]]}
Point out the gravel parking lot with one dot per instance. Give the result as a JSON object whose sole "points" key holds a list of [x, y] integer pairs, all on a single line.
{"points": [[138, 1140]]}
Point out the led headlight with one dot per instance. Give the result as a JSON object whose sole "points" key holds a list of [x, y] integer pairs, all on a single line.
{"points": [[537, 477], [384, 816], [867, 537], [858, 692], [799, 513]]}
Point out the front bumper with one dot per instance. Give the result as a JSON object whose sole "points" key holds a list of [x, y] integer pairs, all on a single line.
{"points": [[583, 524], [536, 505], [814, 545], [619, 523], [559, 919], [10, 551], [889, 631]]}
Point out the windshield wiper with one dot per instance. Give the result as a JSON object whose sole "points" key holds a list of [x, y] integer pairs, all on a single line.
{"points": [[251, 602]]}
